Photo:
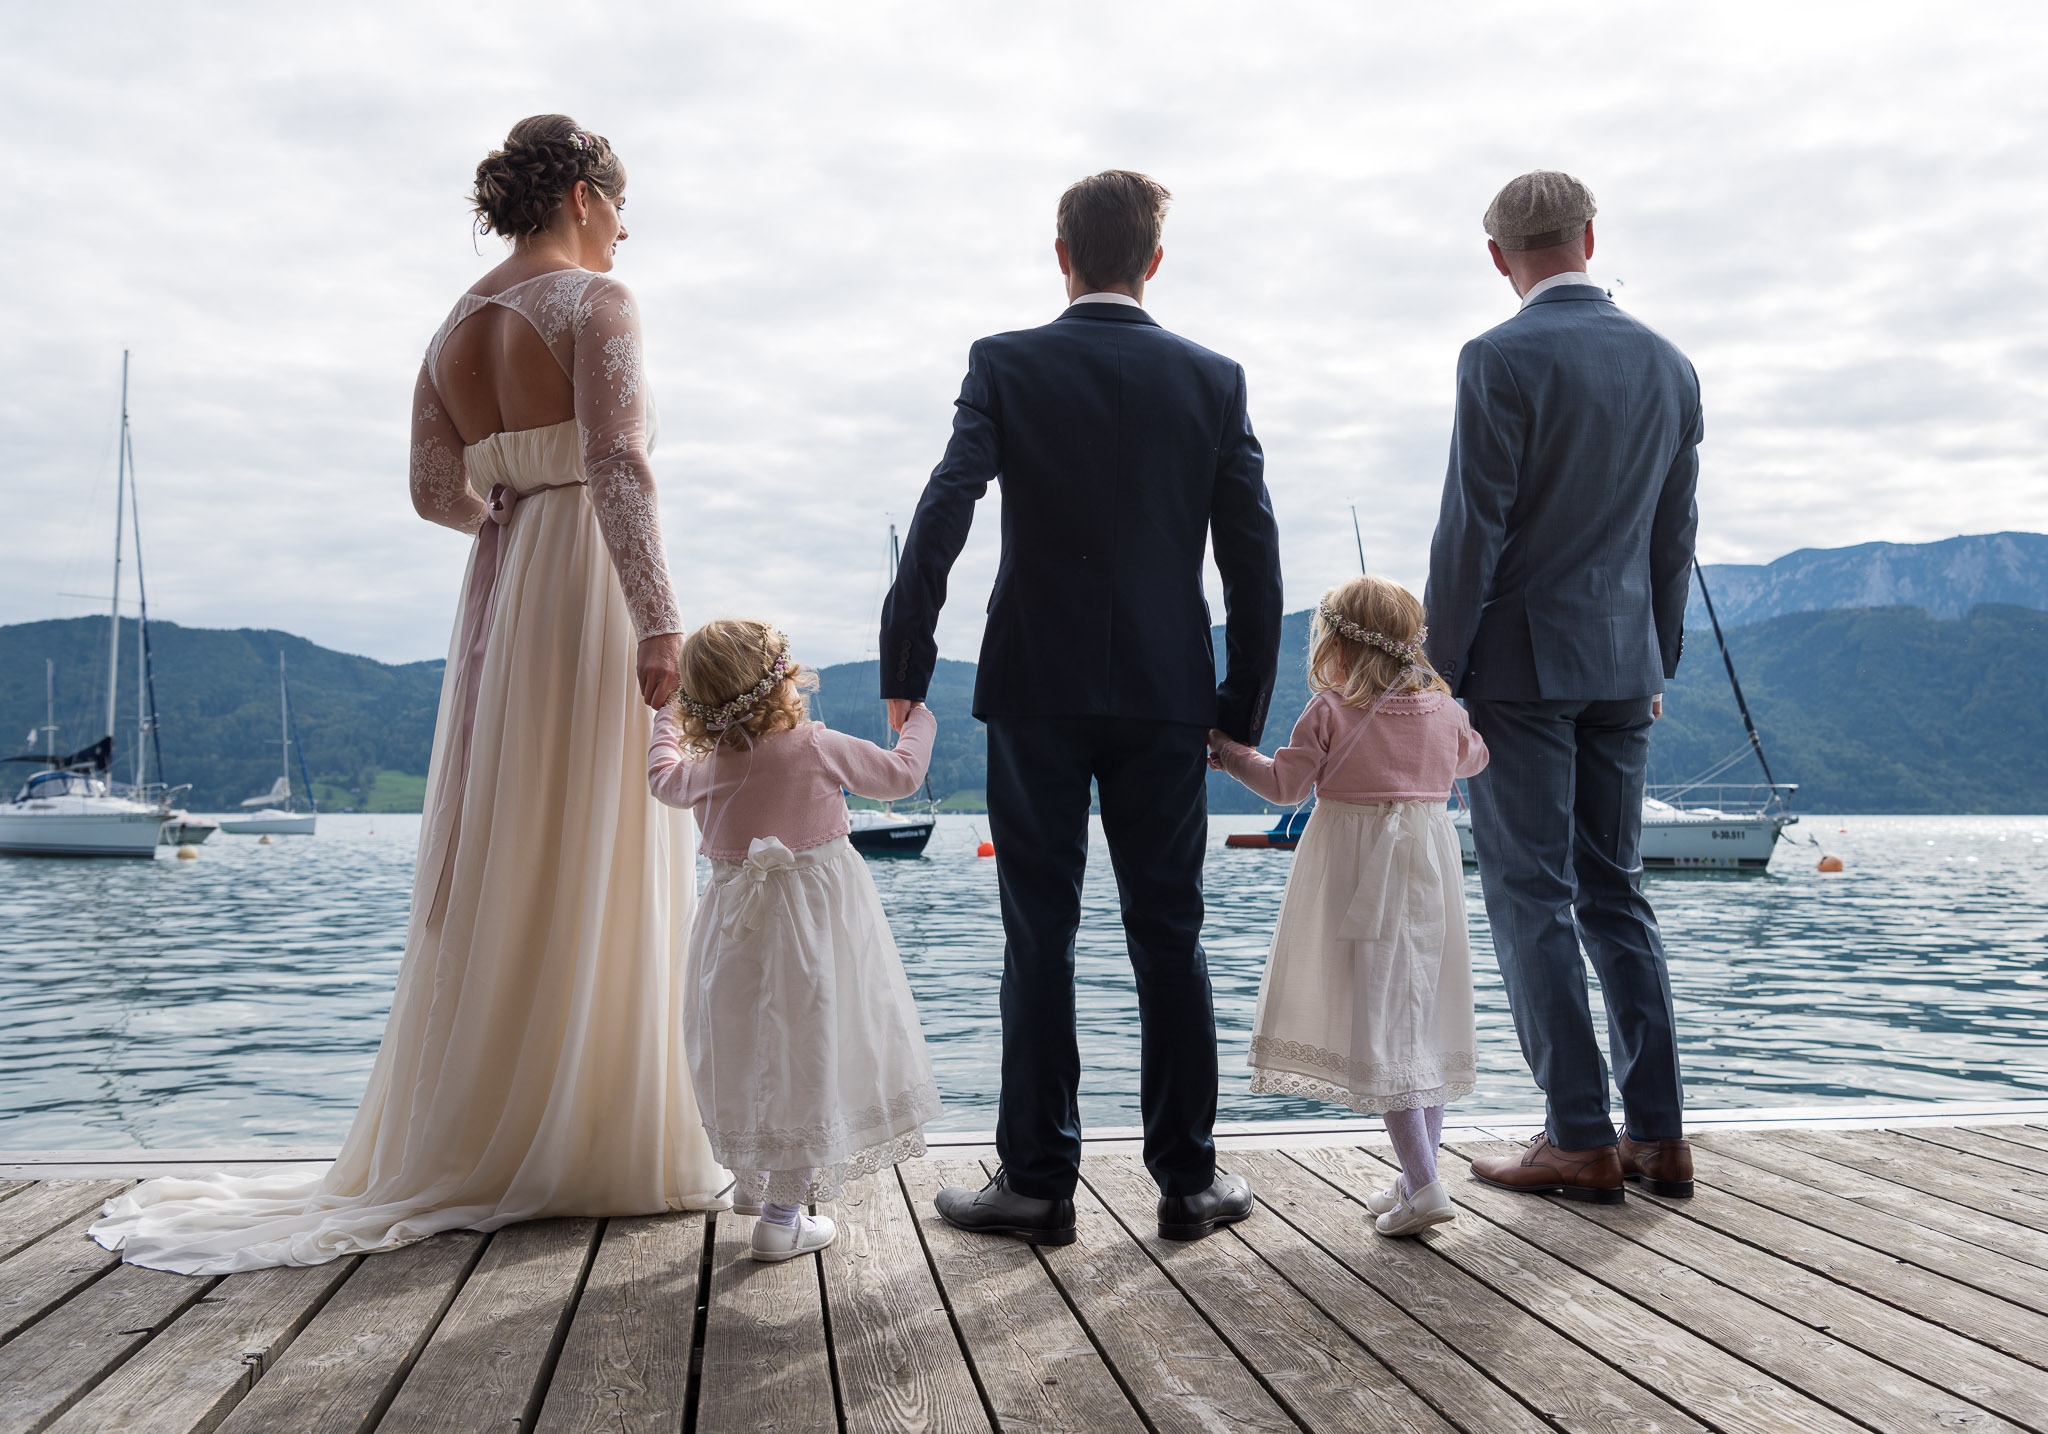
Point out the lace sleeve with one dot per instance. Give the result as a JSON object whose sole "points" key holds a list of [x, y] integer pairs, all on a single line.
{"points": [[440, 484], [613, 419]]}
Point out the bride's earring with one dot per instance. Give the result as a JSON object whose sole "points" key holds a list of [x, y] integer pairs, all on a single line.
{"points": [[586, 221]]}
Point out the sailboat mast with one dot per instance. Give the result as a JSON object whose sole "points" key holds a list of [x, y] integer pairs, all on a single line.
{"points": [[114, 615], [50, 710], [895, 554], [145, 671], [1359, 538], [284, 727]]}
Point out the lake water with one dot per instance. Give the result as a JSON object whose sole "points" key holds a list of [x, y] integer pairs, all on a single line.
{"points": [[238, 999]]}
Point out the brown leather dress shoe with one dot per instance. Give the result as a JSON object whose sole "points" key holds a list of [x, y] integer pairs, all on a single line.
{"points": [[1663, 1166], [1543, 1169]]}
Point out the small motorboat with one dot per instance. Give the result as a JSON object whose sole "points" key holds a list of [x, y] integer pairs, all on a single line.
{"points": [[1284, 835], [887, 833], [184, 829]]}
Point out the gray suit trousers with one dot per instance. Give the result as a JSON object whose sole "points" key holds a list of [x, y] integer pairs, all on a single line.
{"points": [[1557, 819]]}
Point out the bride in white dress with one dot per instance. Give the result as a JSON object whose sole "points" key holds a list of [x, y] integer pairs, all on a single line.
{"points": [[532, 1065]]}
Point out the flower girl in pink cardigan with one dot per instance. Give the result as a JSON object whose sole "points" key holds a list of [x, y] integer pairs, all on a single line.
{"points": [[802, 1037], [1367, 999]]}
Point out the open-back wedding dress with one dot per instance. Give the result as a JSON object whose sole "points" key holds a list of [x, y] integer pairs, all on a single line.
{"points": [[532, 1065]]}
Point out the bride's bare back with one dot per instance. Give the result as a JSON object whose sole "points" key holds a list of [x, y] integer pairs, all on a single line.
{"points": [[496, 375]]}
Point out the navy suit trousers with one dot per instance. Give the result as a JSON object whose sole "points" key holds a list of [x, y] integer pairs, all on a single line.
{"points": [[1557, 819], [1151, 777]]}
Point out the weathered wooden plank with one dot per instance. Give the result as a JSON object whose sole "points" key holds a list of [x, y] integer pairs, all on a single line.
{"points": [[1932, 1296], [899, 1361], [766, 1366], [1694, 1372], [1875, 1228], [1036, 1365], [13, 1187], [341, 1372], [1963, 1367], [1449, 1382], [47, 1272], [1966, 1179], [626, 1366], [1165, 1354], [55, 1361], [1838, 1375], [187, 1379], [2032, 1136], [1982, 1143], [1543, 1369], [486, 1364], [2017, 1242], [1326, 1379], [36, 1212]]}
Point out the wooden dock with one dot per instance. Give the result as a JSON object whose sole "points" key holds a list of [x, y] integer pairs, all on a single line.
{"points": [[1823, 1281]]}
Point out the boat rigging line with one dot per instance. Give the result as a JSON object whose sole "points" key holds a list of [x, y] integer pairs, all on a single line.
{"points": [[1741, 704]]}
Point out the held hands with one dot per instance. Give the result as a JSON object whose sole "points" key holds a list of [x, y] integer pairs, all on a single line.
{"points": [[659, 667], [899, 709], [1218, 741], [1656, 706]]}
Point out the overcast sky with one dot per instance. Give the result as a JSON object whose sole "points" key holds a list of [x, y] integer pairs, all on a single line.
{"points": [[1840, 212]]}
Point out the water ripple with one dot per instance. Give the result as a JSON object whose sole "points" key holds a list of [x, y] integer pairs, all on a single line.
{"points": [[238, 999]]}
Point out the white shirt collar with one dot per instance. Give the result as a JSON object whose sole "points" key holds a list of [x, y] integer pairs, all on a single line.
{"points": [[1109, 299], [1558, 281]]}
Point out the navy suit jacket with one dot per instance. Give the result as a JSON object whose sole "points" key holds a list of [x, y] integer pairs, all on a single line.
{"points": [[1565, 543], [1122, 450]]}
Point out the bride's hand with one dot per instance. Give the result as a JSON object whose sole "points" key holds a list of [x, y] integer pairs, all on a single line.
{"points": [[659, 667]]}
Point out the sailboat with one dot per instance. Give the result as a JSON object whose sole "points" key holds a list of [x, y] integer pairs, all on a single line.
{"points": [[884, 831], [1704, 823], [73, 807], [278, 813]]}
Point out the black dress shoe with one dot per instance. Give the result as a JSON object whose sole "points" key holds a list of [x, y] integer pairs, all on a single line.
{"points": [[1190, 1217], [996, 1209]]}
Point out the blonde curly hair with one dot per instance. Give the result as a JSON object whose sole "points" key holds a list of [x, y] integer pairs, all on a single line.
{"points": [[1361, 671], [725, 659]]}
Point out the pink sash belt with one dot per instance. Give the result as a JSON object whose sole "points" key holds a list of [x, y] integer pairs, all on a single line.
{"points": [[479, 607]]}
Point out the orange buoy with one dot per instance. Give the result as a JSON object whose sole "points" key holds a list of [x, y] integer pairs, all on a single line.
{"points": [[1830, 862], [188, 853], [987, 848]]}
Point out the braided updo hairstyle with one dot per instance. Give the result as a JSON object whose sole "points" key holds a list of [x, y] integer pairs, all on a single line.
{"points": [[519, 187]]}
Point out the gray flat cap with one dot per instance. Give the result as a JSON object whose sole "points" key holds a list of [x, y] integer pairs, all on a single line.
{"points": [[1541, 208]]}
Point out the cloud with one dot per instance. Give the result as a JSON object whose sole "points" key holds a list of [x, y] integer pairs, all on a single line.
{"points": [[1832, 209]]}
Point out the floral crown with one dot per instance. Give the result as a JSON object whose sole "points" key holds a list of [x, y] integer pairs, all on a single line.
{"points": [[729, 714], [1410, 652]]}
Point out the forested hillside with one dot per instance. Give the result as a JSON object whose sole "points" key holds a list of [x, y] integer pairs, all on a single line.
{"points": [[1869, 710]]}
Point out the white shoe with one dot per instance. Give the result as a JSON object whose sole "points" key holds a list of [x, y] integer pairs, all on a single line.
{"points": [[1426, 1207], [776, 1243], [1379, 1203]]}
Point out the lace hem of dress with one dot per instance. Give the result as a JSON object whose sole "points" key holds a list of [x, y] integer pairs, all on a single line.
{"points": [[1270, 1082], [1385, 1074], [818, 1184], [791, 1149]]}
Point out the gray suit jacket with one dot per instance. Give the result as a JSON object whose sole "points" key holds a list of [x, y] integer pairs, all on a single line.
{"points": [[1563, 550]]}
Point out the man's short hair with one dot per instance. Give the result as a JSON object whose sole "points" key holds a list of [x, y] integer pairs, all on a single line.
{"points": [[1111, 222]]}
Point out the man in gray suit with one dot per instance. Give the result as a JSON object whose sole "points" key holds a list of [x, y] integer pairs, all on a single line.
{"points": [[1557, 587]]}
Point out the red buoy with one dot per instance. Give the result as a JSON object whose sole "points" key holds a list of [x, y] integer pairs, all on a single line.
{"points": [[987, 848]]}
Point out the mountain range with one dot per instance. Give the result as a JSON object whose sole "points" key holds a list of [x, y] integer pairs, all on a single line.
{"points": [[1948, 578], [1885, 677]]}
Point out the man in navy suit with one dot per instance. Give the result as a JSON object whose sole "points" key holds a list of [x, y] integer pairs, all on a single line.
{"points": [[1123, 452], [1557, 586]]}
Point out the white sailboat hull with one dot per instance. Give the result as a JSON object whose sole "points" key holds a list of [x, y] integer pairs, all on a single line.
{"points": [[1705, 840], [118, 829], [270, 824]]}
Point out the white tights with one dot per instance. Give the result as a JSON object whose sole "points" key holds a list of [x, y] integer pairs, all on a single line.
{"points": [[784, 1215], [1416, 1135]]}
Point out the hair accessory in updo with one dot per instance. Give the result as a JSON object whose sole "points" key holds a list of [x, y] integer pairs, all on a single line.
{"points": [[1407, 651], [520, 188], [728, 714]]}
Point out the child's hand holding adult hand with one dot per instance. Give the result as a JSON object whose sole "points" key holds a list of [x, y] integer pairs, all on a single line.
{"points": [[1219, 741]]}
